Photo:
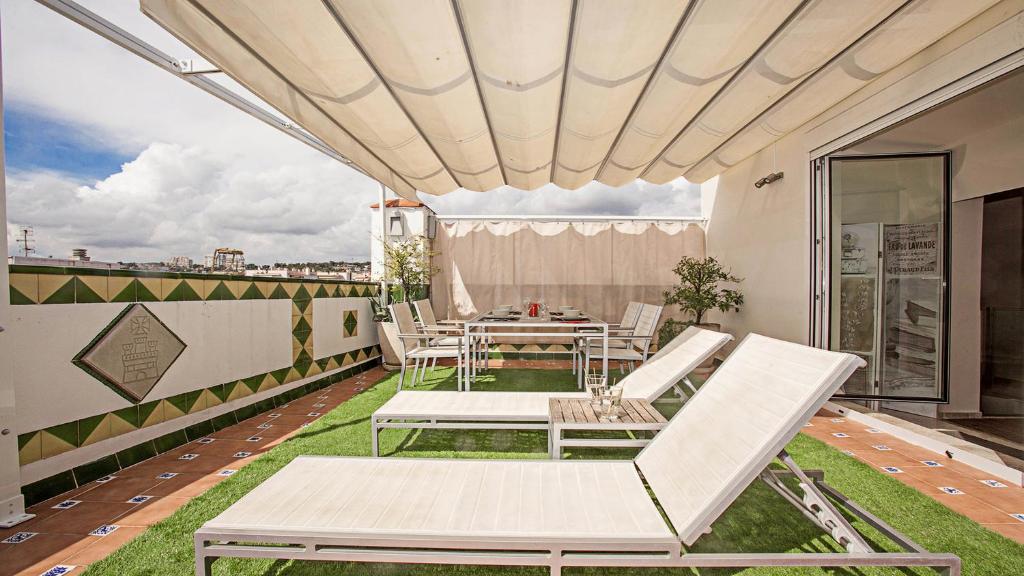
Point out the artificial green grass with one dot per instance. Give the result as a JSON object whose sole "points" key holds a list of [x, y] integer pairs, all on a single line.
{"points": [[759, 521]]}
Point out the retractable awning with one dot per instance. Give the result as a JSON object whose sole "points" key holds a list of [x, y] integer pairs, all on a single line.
{"points": [[433, 95]]}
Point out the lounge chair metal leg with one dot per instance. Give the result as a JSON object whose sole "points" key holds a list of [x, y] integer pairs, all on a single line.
{"points": [[415, 371], [204, 563], [376, 439], [401, 376]]}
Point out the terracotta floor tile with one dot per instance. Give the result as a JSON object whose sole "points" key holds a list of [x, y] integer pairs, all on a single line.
{"points": [[83, 518], [974, 509], [1009, 499], [879, 458], [100, 548], [152, 512], [224, 447], [41, 549], [944, 477], [1011, 531], [119, 489]]}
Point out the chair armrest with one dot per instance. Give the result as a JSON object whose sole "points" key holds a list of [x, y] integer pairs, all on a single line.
{"points": [[598, 337]]}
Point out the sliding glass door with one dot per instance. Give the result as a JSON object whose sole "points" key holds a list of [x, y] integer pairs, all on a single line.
{"points": [[882, 264]]}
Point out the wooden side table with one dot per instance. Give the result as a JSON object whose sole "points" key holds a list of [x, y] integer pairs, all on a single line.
{"points": [[577, 414]]}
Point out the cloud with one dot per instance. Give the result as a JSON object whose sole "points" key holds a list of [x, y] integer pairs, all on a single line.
{"points": [[203, 174], [177, 200]]}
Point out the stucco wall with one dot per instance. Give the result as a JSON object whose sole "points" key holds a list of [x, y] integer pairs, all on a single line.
{"points": [[764, 234], [246, 340]]}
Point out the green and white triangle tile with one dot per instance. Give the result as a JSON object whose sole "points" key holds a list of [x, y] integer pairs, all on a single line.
{"points": [[181, 290], [59, 439], [254, 383], [122, 289], [322, 291], [279, 292], [281, 375], [30, 447], [56, 289], [267, 383], [151, 413], [24, 289], [174, 407], [252, 291], [149, 289], [302, 292], [304, 306], [210, 399], [292, 376], [331, 364], [237, 390], [91, 289], [220, 392], [291, 288], [302, 323], [94, 429], [218, 290], [313, 370], [237, 287], [124, 420]]}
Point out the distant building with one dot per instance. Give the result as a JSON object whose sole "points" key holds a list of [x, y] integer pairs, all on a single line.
{"points": [[405, 219], [63, 263], [179, 262], [272, 272], [80, 254]]}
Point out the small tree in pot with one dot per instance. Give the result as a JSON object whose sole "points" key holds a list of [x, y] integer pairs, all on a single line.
{"points": [[697, 292], [407, 268]]}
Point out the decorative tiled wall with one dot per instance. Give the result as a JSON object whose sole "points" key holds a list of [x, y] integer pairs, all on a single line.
{"points": [[34, 285], [53, 285]]}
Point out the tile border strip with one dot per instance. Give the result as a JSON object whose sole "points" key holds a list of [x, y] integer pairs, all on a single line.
{"points": [[61, 482]]}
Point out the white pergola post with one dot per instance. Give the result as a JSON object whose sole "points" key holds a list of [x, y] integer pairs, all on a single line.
{"points": [[12, 503], [383, 197]]}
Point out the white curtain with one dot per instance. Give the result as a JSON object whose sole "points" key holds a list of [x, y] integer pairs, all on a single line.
{"points": [[596, 266]]}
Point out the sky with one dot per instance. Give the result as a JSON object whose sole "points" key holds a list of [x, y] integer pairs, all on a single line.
{"points": [[107, 152]]}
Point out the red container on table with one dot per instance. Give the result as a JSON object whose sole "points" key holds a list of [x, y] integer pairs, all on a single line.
{"points": [[534, 309]]}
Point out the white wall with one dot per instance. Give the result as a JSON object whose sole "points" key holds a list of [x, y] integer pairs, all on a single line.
{"points": [[414, 223], [764, 234], [225, 341], [328, 334]]}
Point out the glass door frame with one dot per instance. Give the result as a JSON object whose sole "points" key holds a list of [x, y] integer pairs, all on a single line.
{"points": [[820, 289]]}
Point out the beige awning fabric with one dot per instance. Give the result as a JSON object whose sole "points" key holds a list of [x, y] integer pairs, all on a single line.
{"points": [[434, 95]]}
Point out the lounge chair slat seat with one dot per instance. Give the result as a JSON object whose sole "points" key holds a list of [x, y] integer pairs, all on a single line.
{"points": [[451, 499], [752, 405]]}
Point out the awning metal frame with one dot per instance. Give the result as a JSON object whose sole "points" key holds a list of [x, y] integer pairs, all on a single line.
{"points": [[187, 70]]}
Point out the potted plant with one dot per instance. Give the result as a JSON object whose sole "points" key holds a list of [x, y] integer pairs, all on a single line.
{"points": [[407, 268], [697, 292]]}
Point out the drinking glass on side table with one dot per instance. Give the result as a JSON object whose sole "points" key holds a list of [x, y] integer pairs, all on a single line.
{"points": [[610, 402], [596, 387]]}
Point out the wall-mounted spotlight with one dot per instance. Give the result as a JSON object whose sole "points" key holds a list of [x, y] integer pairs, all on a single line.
{"points": [[768, 179]]}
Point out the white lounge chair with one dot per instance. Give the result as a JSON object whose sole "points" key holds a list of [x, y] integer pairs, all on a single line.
{"points": [[560, 513], [431, 409]]}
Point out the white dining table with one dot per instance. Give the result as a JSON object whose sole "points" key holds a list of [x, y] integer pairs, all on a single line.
{"points": [[487, 325]]}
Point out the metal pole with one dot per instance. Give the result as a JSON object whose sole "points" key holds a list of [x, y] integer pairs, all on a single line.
{"points": [[97, 24], [383, 198], [12, 503]]}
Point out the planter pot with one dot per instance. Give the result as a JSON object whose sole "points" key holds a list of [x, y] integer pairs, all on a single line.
{"points": [[708, 366], [387, 333]]}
